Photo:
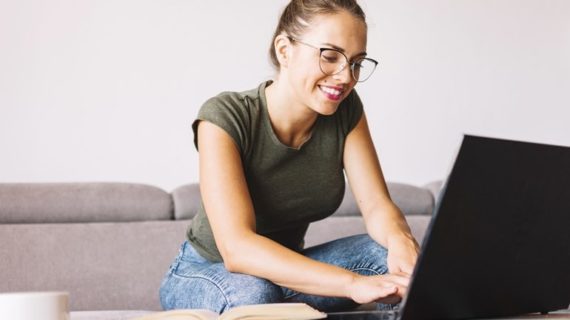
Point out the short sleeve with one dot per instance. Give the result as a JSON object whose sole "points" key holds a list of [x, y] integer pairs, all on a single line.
{"points": [[226, 111], [350, 112]]}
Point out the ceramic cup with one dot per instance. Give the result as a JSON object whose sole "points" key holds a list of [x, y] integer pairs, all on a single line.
{"points": [[34, 306]]}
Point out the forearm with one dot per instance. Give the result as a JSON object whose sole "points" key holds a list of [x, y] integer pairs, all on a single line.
{"points": [[386, 224], [261, 257]]}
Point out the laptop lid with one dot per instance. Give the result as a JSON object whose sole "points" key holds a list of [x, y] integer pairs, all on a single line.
{"points": [[499, 241]]}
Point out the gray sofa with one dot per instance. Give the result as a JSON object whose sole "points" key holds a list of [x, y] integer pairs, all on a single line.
{"points": [[109, 244]]}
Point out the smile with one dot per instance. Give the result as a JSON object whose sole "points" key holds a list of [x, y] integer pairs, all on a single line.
{"points": [[331, 93]]}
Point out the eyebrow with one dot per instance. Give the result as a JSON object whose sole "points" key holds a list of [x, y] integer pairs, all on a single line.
{"points": [[363, 53]]}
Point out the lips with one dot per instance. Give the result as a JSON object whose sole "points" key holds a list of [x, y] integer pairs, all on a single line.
{"points": [[333, 93]]}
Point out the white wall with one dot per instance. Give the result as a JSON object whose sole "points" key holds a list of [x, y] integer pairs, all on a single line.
{"points": [[106, 90]]}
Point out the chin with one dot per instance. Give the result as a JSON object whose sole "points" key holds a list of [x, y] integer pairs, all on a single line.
{"points": [[326, 109]]}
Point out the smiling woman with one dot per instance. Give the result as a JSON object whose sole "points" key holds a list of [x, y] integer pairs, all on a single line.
{"points": [[273, 160]]}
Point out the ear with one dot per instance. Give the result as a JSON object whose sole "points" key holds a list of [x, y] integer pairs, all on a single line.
{"points": [[282, 47]]}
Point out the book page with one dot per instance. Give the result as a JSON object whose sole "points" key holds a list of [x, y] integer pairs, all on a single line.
{"points": [[273, 311]]}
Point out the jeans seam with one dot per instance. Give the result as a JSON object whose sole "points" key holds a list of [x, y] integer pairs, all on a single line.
{"points": [[365, 269], [227, 302]]}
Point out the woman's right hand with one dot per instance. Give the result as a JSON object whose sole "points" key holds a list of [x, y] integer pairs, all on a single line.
{"points": [[386, 288]]}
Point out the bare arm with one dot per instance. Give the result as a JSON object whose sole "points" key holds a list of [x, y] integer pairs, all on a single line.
{"points": [[384, 221], [231, 216]]}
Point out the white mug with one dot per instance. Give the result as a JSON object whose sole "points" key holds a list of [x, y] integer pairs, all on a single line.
{"points": [[34, 306]]}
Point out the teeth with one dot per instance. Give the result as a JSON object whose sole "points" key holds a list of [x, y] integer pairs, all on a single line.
{"points": [[331, 91]]}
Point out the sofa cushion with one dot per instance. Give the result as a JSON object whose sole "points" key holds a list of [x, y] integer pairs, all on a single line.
{"points": [[187, 200], [104, 266], [340, 227], [435, 187], [410, 199], [82, 202]]}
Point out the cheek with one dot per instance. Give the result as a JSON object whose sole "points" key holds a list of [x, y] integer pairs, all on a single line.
{"points": [[306, 80], [306, 68]]}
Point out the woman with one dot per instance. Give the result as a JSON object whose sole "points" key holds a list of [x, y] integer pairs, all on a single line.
{"points": [[272, 161]]}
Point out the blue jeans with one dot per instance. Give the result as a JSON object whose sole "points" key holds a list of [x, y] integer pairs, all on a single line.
{"points": [[194, 282]]}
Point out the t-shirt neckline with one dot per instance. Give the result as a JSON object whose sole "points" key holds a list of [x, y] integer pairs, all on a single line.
{"points": [[269, 126]]}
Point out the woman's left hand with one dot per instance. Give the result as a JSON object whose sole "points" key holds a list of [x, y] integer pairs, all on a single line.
{"points": [[402, 254]]}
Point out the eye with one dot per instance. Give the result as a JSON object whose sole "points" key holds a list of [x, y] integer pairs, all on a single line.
{"points": [[329, 57]]}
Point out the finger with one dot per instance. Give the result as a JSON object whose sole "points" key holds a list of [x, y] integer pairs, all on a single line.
{"points": [[401, 267], [402, 291], [401, 274], [399, 279], [393, 281], [388, 290], [402, 286], [393, 299], [407, 269]]}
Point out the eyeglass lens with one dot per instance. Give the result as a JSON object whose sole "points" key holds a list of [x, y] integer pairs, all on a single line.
{"points": [[333, 62]]}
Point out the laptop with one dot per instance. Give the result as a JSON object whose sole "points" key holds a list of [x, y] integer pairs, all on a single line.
{"points": [[499, 241]]}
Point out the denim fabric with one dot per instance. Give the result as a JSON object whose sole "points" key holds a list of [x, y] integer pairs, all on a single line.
{"points": [[194, 282]]}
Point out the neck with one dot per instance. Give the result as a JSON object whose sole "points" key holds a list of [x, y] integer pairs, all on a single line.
{"points": [[292, 121]]}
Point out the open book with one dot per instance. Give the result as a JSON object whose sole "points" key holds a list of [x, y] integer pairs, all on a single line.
{"points": [[271, 311]]}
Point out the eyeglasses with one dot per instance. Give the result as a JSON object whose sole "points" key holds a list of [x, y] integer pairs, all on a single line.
{"points": [[332, 61]]}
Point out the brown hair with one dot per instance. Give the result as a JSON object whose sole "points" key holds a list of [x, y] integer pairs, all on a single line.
{"points": [[299, 13]]}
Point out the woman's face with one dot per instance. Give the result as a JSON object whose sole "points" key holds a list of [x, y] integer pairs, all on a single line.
{"points": [[320, 92]]}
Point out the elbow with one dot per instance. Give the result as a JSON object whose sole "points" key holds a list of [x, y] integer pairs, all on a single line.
{"points": [[231, 266], [234, 256], [230, 260]]}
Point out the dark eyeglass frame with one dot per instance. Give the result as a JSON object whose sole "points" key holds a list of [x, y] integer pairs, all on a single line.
{"points": [[348, 63]]}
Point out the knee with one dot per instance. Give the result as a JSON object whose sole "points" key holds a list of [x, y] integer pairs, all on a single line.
{"points": [[372, 256], [192, 293], [217, 290], [365, 244], [248, 290]]}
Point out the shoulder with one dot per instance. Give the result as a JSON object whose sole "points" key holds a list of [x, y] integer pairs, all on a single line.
{"points": [[234, 112], [235, 109], [232, 102]]}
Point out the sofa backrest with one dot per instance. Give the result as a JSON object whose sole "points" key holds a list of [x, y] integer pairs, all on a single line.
{"points": [[82, 202], [108, 244]]}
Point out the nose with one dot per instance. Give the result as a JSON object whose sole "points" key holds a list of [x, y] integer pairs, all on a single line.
{"points": [[344, 75]]}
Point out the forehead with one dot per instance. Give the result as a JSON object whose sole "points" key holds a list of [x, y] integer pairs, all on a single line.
{"points": [[341, 29]]}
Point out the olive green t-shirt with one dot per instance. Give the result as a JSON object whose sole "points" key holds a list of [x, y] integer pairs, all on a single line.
{"points": [[289, 187]]}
